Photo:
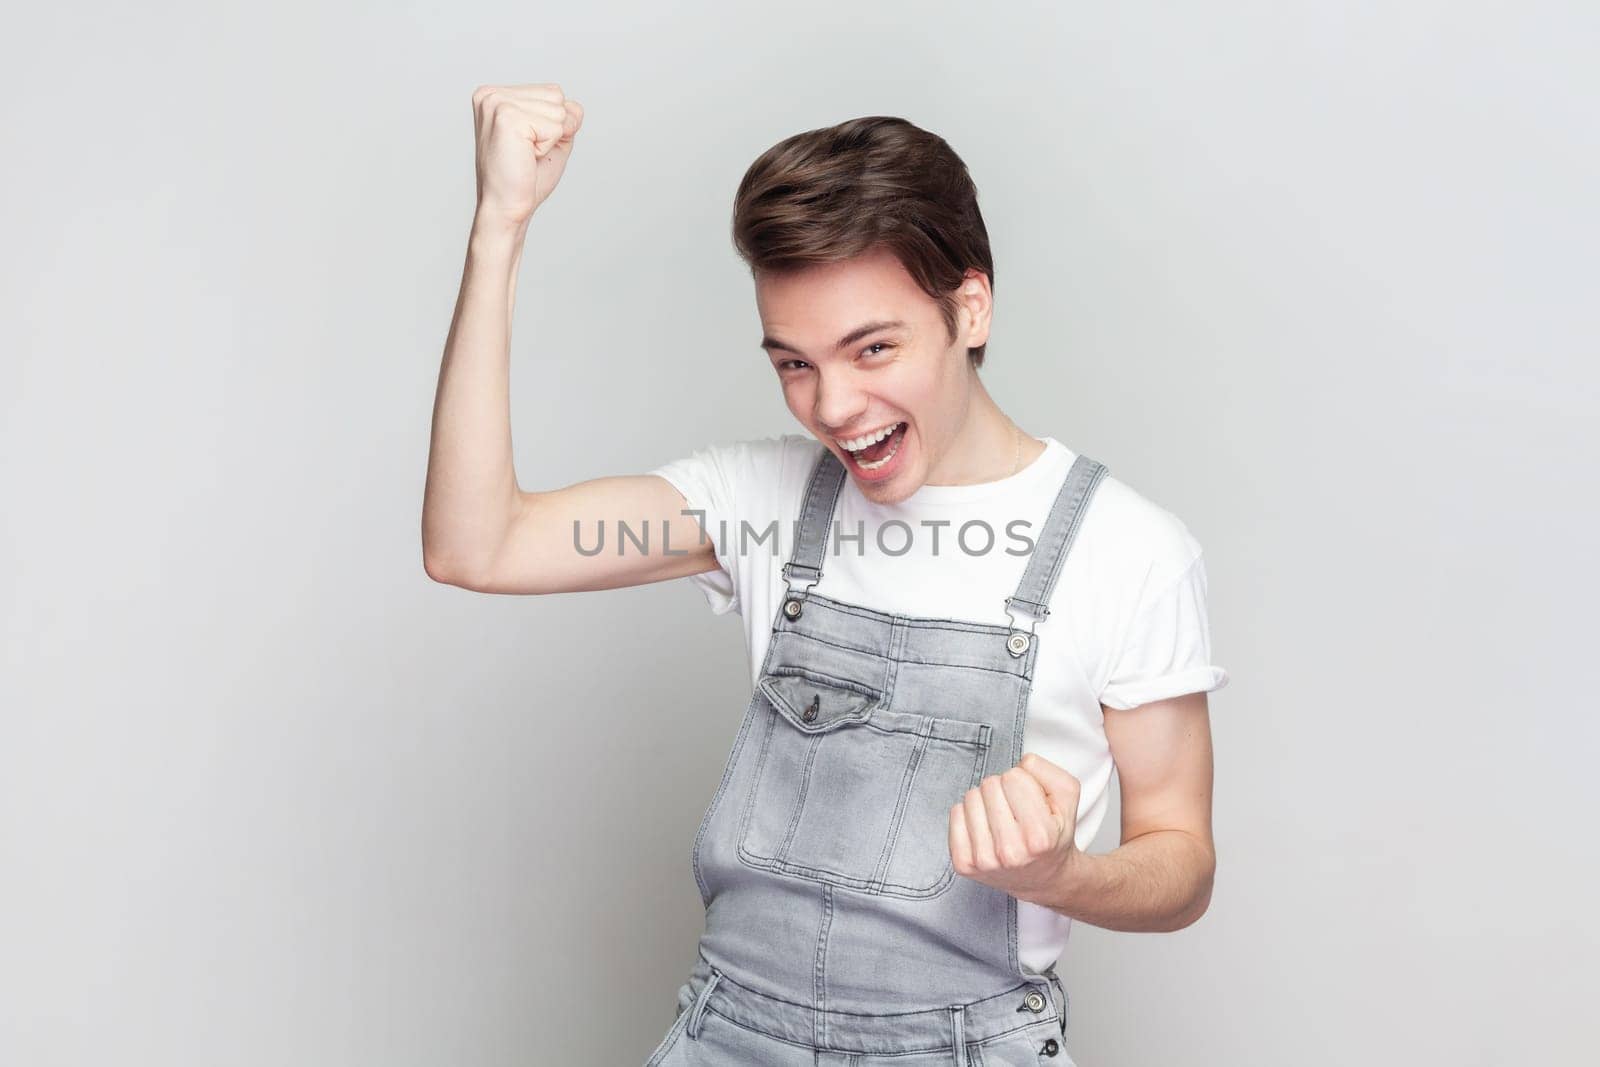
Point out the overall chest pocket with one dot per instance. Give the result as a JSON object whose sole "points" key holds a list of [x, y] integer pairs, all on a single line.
{"points": [[848, 792]]}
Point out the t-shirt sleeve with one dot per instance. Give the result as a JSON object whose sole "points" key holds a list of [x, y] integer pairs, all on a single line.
{"points": [[707, 479], [1166, 648]]}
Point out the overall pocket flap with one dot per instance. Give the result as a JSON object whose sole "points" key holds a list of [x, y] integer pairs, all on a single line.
{"points": [[814, 705]]}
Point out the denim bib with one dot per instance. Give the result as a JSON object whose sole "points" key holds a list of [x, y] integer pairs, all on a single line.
{"points": [[837, 931]]}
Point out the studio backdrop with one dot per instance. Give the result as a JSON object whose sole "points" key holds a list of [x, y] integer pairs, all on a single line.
{"points": [[1317, 278]]}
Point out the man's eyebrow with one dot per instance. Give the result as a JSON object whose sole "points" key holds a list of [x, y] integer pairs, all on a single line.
{"points": [[772, 344]]}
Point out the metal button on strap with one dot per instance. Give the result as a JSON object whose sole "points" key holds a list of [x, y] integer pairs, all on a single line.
{"points": [[1050, 1047], [791, 608], [1034, 1002], [811, 712], [1017, 644]]}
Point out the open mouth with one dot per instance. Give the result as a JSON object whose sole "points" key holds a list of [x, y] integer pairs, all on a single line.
{"points": [[878, 454]]}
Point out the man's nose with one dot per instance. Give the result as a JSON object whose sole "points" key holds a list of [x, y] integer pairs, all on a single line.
{"points": [[839, 404]]}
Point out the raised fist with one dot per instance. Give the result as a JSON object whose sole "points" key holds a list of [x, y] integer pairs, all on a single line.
{"points": [[524, 137]]}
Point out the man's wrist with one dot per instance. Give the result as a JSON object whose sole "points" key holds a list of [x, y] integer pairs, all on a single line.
{"points": [[1072, 883], [493, 233]]}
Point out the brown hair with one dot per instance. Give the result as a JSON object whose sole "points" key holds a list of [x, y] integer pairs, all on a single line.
{"points": [[834, 193]]}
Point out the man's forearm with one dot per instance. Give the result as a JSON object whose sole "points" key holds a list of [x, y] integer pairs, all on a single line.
{"points": [[1157, 882], [471, 487]]}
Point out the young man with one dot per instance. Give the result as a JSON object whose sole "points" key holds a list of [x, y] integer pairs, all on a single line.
{"points": [[956, 629]]}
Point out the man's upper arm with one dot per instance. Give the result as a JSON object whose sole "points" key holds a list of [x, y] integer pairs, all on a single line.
{"points": [[1163, 755], [604, 533]]}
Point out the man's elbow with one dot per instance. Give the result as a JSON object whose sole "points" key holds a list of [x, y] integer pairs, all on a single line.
{"points": [[1191, 915], [449, 572], [1204, 878]]}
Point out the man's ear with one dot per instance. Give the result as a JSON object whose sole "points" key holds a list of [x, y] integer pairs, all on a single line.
{"points": [[975, 306]]}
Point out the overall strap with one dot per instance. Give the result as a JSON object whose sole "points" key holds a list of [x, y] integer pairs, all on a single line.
{"points": [[1050, 551], [822, 493]]}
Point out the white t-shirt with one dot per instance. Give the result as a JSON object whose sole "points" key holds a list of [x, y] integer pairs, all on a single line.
{"points": [[1127, 620]]}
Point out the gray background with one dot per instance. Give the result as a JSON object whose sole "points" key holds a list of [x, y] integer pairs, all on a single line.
{"points": [[1309, 275]]}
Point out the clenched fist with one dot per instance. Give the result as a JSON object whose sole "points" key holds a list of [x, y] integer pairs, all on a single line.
{"points": [[1014, 831], [524, 138]]}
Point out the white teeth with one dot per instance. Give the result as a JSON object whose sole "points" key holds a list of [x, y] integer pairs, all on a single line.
{"points": [[858, 443], [878, 463]]}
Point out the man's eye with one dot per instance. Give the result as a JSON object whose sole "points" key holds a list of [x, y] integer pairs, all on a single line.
{"points": [[796, 364]]}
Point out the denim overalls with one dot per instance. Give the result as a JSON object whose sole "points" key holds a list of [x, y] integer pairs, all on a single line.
{"points": [[837, 933]]}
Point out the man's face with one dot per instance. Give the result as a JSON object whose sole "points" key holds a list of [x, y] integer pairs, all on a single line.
{"points": [[910, 377]]}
